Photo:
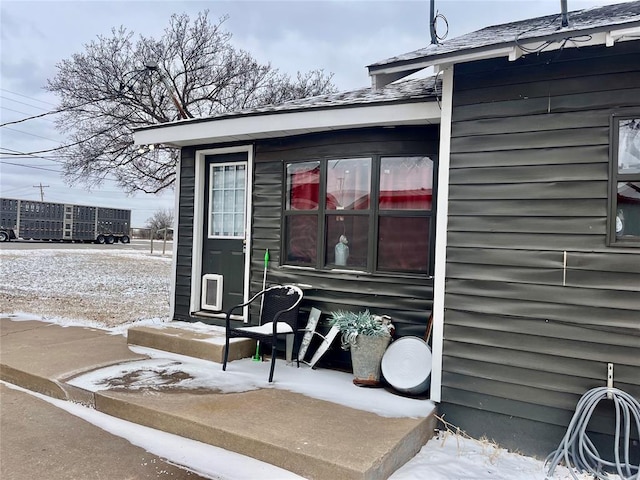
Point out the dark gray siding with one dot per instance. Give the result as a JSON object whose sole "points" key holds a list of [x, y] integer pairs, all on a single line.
{"points": [[185, 235], [408, 300], [525, 338]]}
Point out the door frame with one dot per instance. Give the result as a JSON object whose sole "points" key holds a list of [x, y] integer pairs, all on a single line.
{"points": [[199, 209]]}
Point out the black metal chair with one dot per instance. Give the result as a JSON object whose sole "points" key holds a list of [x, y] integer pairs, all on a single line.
{"points": [[279, 317]]}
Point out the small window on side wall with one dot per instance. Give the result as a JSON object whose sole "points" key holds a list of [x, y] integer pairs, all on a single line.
{"points": [[624, 192]]}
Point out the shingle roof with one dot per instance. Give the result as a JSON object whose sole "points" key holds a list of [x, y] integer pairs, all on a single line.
{"points": [[581, 22], [406, 91]]}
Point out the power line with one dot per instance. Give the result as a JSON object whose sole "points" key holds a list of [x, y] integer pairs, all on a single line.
{"points": [[21, 103], [105, 179], [31, 166], [25, 113], [26, 96], [28, 133], [62, 147], [18, 154]]}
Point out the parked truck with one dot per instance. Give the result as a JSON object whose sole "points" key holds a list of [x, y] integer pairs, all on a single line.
{"points": [[30, 219]]}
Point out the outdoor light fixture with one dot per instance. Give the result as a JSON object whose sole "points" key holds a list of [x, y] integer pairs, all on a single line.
{"points": [[146, 148]]}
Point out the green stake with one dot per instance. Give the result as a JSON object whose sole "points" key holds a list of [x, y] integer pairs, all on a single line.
{"points": [[256, 357]]}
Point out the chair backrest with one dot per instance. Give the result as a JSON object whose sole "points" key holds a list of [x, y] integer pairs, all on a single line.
{"points": [[278, 298]]}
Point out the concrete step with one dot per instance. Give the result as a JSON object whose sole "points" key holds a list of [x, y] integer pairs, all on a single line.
{"points": [[313, 438], [192, 340]]}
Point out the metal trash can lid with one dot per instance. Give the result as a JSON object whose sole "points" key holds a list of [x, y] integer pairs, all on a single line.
{"points": [[406, 365]]}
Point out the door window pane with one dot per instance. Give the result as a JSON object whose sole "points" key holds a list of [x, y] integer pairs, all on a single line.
{"points": [[303, 186], [348, 184], [227, 204], [406, 183], [403, 244]]}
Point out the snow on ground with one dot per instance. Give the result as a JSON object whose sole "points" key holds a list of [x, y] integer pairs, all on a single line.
{"points": [[166, 370], [114, 289], [105, 287]]}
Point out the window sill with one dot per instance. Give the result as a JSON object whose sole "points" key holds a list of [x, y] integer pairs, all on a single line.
{"points": [[359, 273]]}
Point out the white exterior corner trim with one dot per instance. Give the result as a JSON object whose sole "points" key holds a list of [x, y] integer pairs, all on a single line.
{"points": [[281, 123], [442, 213]]}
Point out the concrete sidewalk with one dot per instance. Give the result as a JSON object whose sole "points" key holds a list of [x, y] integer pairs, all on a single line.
{"points": [[43, 441], [313, 438]]}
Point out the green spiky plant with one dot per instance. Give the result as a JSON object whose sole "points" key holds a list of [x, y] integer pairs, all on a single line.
{"points": [[352, 324]]}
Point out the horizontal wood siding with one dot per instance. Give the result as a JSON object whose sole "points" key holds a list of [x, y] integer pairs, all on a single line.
{"points": [[525, 336], [185, 235], [408, 300]]}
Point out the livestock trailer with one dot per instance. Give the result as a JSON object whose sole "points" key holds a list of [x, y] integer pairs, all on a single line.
{"points": [[30, 219]]}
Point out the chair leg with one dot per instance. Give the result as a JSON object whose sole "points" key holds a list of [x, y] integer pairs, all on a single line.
{"points": [[273, 361], [226, 353]]}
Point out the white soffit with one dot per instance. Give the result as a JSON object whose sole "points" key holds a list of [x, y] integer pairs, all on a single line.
{"points": [[282, 124]]}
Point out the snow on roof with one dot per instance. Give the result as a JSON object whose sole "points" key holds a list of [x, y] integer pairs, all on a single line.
{"points": [[421, 89], [581, 22]]}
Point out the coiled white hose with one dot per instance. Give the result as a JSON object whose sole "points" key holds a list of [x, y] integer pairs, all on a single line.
{"points": [[578, 451]]}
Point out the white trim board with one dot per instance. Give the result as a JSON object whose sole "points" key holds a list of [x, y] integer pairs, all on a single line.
{"points": [[282, 124], [442, 212]]}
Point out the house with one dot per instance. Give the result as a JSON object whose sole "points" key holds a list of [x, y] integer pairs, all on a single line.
{"points": [[501, 194]]}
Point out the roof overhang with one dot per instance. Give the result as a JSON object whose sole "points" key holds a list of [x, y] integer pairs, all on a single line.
{"points": [[287, 123], [562, 39]]}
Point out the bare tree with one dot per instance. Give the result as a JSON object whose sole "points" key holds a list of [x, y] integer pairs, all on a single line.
{"points": [[118, 84], [160, 220]]}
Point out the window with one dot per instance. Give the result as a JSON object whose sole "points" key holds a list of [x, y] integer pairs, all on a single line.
{"points": [[624, 222], [370, 214], [226, 201]]}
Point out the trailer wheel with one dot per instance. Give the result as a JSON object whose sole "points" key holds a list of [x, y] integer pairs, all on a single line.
{"points": [[110, 240], [125, 239], [100, 239], [4, 237]]}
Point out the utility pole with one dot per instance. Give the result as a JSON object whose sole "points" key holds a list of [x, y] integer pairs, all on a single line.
{"points": [[41, 187]]}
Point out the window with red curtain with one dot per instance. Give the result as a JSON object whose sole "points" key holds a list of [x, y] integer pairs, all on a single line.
{"points": [[303, 186], [393, 207], [301, 230], [406, 189]]}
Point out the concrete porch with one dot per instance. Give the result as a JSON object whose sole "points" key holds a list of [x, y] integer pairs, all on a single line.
{"points": [[315, 438]]}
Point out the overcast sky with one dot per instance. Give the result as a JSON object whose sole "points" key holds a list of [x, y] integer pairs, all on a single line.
{"points": [[341, 37]]}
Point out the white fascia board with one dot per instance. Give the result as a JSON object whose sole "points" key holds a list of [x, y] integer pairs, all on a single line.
{"points": [[622, 34], [513, 52], [280, 124], [445, 59]]}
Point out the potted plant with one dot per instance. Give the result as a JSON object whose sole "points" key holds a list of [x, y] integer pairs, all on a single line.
{"points": [[367, 336]]}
